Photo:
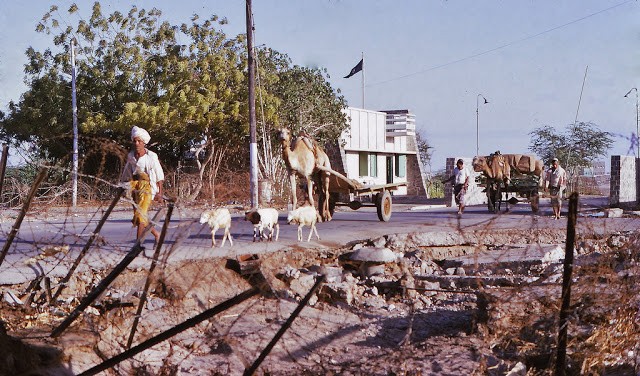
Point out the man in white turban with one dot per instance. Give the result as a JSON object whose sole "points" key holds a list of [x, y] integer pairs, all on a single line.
{"points": [[140, 132], [145, 174]]}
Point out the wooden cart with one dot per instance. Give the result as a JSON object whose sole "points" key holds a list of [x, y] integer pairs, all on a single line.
{"points": [[364, 195], [521, 188]]}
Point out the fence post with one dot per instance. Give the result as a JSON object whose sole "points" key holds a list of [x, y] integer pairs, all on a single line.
{"points": [[566, 285]]}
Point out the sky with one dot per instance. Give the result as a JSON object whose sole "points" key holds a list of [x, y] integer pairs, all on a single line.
{"points": [[537, 62]]}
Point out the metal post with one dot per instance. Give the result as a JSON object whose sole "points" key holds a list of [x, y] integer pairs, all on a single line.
{"points": [[478, 122], [637, 138], [477, 127], [253, 143], [566, 285], [74, 110], [363, 80], [3, 167], [637, 128]]}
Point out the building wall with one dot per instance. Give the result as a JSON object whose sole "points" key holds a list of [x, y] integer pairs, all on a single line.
{"points": [[625, 178], [368, 134]]}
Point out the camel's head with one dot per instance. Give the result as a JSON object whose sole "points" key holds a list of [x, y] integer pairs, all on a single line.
{"points": [[284, 134], [479, 164]]}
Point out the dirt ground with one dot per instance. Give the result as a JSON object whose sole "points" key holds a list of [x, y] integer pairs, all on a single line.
{"points": [[421, 316]]}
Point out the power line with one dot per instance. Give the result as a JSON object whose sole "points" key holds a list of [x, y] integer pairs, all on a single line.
{"points": [[502, 46]]}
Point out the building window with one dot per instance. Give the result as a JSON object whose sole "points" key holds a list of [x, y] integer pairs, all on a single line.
{"points": [[401, 166], [363, 164], [373, 165]]}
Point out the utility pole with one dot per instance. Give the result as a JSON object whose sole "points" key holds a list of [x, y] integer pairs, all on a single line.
{"points": [[74, 110], [253, 143]]}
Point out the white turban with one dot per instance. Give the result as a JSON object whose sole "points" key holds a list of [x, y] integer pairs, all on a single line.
{"points": [[140, 132]]}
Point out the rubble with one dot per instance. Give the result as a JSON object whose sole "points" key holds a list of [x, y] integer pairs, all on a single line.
{"points": [[475, 300]]}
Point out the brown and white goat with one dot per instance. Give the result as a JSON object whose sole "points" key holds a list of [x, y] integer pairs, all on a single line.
{"points": [[261, 219]]}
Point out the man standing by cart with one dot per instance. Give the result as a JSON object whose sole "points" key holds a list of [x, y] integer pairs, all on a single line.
{"points": [[555, 183]]}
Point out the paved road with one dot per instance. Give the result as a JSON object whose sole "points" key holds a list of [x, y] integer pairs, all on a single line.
{"points": [[188, 239]]}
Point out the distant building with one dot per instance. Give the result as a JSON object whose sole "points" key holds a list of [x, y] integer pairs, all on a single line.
{"points": [[597, 168], [379, 147]]}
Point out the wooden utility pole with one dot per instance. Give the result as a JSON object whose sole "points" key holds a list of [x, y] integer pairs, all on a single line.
{"points": [[74, 110], [253, 143]]}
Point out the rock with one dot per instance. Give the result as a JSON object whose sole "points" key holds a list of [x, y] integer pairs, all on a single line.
{"points": [[554, 255], [302, 285], [613, 213], [377, 254], [380, 242], [370, 269], [333, 274], [518, 370]]}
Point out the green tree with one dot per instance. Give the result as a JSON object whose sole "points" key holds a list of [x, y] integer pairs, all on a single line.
{"points": [[133, 71], [577, 148], [186, 84], [294, 97]]}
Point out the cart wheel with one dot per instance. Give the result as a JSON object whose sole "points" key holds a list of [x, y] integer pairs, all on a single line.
{"points": [[383, 204]]}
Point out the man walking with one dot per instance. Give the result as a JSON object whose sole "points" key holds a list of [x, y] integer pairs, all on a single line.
{"points": [[555, 183]]}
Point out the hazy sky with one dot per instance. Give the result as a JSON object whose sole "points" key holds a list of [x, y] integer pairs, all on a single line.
{"points": [[527, 57]]}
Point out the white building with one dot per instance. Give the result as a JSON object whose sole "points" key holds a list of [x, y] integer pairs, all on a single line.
{"points": [[379, 148]]}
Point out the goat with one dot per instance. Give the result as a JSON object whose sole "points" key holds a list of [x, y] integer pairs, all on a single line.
{"points": [[305, 215], [262, 218], [218, 218]]}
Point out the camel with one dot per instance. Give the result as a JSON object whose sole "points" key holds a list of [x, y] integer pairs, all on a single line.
{"points": [[302, 158], [499, 166]]}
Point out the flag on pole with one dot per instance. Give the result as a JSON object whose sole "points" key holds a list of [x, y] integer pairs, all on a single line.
{"points": [[355, 69]]}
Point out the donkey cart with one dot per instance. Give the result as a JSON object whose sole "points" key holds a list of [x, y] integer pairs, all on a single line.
{"points": [[359, 195], [523, 188]]}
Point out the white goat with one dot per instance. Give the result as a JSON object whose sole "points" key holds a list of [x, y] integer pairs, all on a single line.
{"points": [[218, 218], [261, 219], [305, 215]]}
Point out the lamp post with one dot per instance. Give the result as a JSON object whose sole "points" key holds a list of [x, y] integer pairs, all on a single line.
{"points": [[637, 138], [478, 121]]}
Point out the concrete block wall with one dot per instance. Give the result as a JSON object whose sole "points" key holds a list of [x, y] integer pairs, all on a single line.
{"points": [[475, 194], [415, 176], [625, 181]]}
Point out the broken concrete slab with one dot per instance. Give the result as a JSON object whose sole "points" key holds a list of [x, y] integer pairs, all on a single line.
{"points": [[613, 213]]}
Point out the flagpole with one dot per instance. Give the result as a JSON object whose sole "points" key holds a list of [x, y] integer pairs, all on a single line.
{"points": [[363, 80]]}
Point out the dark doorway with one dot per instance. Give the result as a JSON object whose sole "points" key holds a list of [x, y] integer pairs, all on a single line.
{"points": [[389, 169]]}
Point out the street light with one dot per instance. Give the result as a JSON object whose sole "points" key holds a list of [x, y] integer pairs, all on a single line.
{"points": [[637, 138], [477, 121]]}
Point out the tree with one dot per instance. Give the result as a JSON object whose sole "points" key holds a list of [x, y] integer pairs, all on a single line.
{"points": [[133, 71], [425, 150], [577, 148], [294, 97], [186, 84]]}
